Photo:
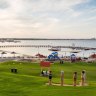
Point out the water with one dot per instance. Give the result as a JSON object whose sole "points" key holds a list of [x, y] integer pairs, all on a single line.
{"points": [[64, 51]]}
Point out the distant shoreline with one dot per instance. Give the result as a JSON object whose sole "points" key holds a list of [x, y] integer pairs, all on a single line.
{"points": [[42, 39]]}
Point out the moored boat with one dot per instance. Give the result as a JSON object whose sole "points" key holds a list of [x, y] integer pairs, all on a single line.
{"points": [[55, 49]]}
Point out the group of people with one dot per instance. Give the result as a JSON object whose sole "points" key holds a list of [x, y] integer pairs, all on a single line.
{"points": [[44, 73], [61, 62], [83, 78]]}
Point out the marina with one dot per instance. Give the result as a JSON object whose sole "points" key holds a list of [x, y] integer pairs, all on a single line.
{"points": [[82, 48]]}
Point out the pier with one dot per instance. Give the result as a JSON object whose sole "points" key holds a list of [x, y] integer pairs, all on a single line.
{"points": [[49, 46]]}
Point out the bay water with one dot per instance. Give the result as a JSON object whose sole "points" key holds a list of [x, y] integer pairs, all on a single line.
{"points": [[32, 51]]}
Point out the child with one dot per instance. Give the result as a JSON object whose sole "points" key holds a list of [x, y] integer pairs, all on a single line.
{"points": [[74, 78], [50, 77], [62, 78], [83, 76]]}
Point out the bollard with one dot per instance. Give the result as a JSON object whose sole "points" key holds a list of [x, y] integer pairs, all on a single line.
{"points": [[14, 70], [62, 78]]}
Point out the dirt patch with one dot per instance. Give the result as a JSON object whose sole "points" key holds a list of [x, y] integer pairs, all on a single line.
{"points": [[58, 84]]}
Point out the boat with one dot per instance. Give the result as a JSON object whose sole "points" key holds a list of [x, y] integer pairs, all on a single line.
{"points": [[55, 49], [15, 41]]}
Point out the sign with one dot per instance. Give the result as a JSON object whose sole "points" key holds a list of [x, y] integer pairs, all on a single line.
{"points": [[45, 64]]}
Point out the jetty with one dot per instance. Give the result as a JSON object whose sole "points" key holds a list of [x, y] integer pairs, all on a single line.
{"points": [[49, 46]]}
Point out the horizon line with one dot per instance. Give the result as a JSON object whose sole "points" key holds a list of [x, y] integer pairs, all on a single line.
{"points": [[23, 38]]}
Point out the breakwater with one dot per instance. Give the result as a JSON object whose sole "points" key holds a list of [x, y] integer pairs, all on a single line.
{"points": [[49, 46]]}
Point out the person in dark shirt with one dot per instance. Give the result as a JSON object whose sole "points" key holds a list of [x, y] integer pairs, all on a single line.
{"points": [[50, 77], [74, 78]]}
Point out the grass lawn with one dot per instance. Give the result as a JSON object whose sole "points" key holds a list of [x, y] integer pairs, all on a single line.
{"points": [[28, 82]]}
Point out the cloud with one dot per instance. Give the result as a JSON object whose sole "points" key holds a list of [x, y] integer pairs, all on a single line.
{"points": [[50, 5], [3, 4], [31, 18]]}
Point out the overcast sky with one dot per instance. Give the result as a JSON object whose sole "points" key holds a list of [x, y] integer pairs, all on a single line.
{"points": [[48, 18]]}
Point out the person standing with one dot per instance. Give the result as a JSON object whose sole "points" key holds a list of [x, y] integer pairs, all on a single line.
{"points": [[50, 77], [83, 77], [62, 78], [74, 79]]}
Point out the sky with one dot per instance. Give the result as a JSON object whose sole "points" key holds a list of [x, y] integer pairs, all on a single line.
{"points": [[48, 19]]}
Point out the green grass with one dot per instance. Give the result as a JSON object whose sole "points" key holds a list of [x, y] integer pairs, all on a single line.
{"points": [[28, 82]]}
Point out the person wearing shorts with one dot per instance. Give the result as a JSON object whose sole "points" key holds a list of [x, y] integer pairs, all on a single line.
{"points": [[50, 77]]}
